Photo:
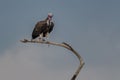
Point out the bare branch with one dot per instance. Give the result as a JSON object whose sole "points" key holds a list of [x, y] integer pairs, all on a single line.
{"points": [[65, 45]]}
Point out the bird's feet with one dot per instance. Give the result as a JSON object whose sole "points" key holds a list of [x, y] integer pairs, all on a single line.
{"points": [[42, 39]]}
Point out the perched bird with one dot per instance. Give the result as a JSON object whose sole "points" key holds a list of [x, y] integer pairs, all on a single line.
{"points": [[43, 28]]}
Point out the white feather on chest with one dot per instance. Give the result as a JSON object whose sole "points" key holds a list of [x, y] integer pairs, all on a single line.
{"points": [[49, 22]]}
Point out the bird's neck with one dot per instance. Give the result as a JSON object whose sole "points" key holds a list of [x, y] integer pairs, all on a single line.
{"points": [[48, 22]]}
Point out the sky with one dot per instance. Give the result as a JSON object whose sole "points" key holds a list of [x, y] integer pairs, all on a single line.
{"points": [[91, 27]]}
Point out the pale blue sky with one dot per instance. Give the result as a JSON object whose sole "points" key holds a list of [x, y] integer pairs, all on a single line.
{"points": [[92, 27]]}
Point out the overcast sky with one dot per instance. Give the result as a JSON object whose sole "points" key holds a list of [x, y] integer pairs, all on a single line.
{"points": [[92, 27]]}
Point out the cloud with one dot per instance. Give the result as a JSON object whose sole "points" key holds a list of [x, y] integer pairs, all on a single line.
{"points": [[28, 63], [39, 62]]}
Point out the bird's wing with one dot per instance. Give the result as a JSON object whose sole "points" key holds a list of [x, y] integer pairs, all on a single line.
{"points": [[51, 27], [39, 28]]}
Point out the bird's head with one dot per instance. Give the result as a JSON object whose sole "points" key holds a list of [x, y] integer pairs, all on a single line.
{"points": [[50, 15]]}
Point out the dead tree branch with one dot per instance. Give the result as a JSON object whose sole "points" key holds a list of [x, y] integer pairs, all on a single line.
{"points": [[65, 45]]}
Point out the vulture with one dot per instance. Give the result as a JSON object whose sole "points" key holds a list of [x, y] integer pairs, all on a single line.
{"points": [[43, 28]]}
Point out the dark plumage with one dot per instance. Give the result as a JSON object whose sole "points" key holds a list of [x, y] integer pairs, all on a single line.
{"points": [[43, 28]]}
